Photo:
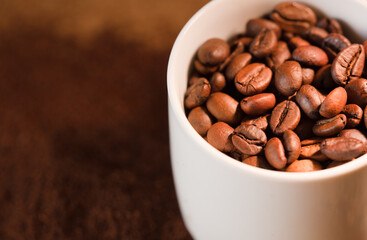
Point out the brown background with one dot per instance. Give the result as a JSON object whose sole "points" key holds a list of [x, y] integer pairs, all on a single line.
{"points": [[84, 148]]}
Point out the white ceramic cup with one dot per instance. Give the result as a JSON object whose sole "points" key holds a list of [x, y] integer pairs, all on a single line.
{"points": [[221, 198]]}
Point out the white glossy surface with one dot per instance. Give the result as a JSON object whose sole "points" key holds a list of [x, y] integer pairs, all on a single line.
{"points": [[221, 198]]}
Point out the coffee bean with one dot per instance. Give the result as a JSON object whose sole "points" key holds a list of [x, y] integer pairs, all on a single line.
{"points": [[285, 116], [254, 27], [305, 165], [342, 148], [333, 164], [197, 93], [224, 108], [308, 75], [334, 43], [249, 139], [260, 122], [310, 99], [354, 114], [264, 43], [258, 104], [334, 103], [245, 41], [315, 35], [200, 120], [296, 42], [357, 92], [204, 69], [257, 161], [293, 17], [213, 51], [288, 78], [330, 24], [280, 54], [304, 128], [310, 149], [287, 36], [365, 116], [353, 133], [310, 56], [219, 136], [274, 153], [330, 127], [217, 82], [253, 79], [237, 63], [323, 78], [292, 145], [348, 64]]}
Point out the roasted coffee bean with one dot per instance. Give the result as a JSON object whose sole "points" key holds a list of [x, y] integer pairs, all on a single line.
{"points": [[308, 75], [285, 116], [354, 114], [275, 154], [253, 79], [310, 149], [256, 161], [264, 43], [213, 51], [310, 99], [305, 165], [236, 49], [280, 54], [287, 36], [315, 35], [254, 27], [334, 43], [237, 63], [200, 120], [197, 93], [334, 103], [292, 145], [249, 139], [204, 69], [219, 136], [353, 133], [288, 78], [224, 108], [323, 78], [310, 56], [245, 41], [258, 104], [357, 92], [296, 42], [293, 17], [348, 64], [342, 148], [217, 82], [260, 122], [330, 127], [330, 24], [304, 128]]}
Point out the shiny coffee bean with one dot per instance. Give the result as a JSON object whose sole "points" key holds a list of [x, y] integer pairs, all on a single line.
{"points": [[224, 108], [288, 78], [213, 51], [292, 145], [237, 63], [293, 17], [200, 120], [219, 136], [287, 36], [249, 139], [264, 43], [334, 103], [357, 92], [310, 149], [305, 165], [275, 154], [253, 79], [285, 116], [280, 54], [260, 122], [197, 93], [310, 56], [354, 114], [204, 69], [334, 43], [310, 99], [315, 35], [304, 128], [258, 104], [254, 27], [353, 133], [323, 78], [244, 41], [257, 161], [348, 64], [330, 126], [308, 75], [342, 148], [296, 42], [330, 24], [217, 82]]}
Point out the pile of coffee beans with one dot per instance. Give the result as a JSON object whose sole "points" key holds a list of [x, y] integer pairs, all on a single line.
{"points": [[288, 94]]}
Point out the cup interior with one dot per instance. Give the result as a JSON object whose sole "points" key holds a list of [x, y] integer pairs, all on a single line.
{"points": [[226, 18]]}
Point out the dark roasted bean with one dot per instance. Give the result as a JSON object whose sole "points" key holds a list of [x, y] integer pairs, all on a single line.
{"points": [[292, 145], [213, 51], [308, 74], [200, 120], [254, 27], [310, 56], [253, 79], [288, 78], [217, 82], [353, 133], [264, 43], [334, 103], [334, 43], [275, 154], [330, 24], [219, 136], [310, 99], [285, 116], [354, 114], [249, 139], [357, 92], [258, 104], [197, 93], [237, 63], [280, 54], [342, 148], [330, 127], [310, 149]]}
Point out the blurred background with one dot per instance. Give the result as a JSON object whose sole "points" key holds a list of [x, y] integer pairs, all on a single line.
{"points": [[84, 150]]}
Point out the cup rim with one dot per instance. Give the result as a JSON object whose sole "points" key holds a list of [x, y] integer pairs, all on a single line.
{"points": [[176, 107]]}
